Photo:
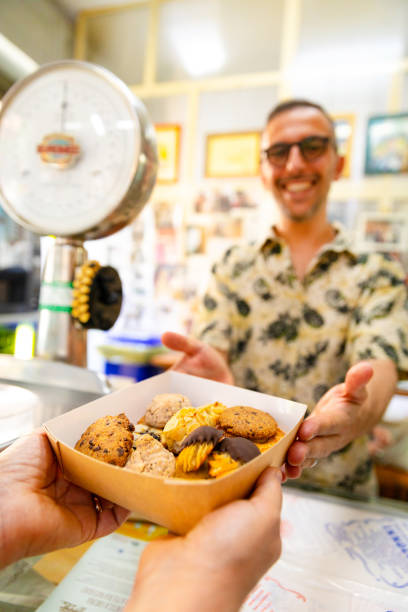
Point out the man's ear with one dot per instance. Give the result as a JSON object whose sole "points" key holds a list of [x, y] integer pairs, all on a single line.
{"points": [[339, 166]]}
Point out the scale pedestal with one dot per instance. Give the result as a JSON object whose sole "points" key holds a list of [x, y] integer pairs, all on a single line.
{"points": [[59, 337]]}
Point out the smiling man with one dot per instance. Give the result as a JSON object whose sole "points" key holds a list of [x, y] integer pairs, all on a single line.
{"points": [[302, 315]]}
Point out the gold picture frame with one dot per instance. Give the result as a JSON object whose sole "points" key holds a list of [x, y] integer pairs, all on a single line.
{"points": [[383, 232], [195, 240], [344, 129], [168, 147], [230, 155]]}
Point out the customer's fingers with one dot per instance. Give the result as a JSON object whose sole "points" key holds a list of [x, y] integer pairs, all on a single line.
{"points": [[268, 489]]}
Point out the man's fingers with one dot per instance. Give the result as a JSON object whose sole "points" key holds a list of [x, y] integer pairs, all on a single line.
{"points": [[335, 421], [297, 453], [292, 471], [356, 380], [177, 342], [302, 454]]}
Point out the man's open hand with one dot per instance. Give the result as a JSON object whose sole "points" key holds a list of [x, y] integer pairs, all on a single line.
{"points": [[199, 359], [339, 417]]}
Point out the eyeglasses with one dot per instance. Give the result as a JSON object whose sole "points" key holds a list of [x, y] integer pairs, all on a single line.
{"points": [[311, 148]]}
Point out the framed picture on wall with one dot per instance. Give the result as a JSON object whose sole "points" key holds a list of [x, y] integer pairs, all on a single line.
{"points": [[195, 240], [232, 155], [387, 144], [382, 231], [168, 147], [344, 130]]}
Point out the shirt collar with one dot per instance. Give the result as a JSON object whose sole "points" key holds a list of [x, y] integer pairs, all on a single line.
{"points": [[341, 243]]}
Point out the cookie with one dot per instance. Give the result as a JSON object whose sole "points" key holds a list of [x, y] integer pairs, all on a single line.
{"points": [[230, 454], [108, 439], [264, 446], [141, 430], [150, 457], [162, 408], [196, 447], [248, 422], [185, 420]]}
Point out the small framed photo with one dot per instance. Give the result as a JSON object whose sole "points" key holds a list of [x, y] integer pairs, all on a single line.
{"points": [[387, 144], [344, 131], [168, 147], [228, 228], [382, 232], [195, 240], [233, 155]]}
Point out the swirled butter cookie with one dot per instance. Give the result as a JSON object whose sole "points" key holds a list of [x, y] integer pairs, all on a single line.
{"points": [[185, 420]]}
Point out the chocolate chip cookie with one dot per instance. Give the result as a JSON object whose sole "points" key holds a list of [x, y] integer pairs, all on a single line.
{"points": [[108, 439], [248, 422]]}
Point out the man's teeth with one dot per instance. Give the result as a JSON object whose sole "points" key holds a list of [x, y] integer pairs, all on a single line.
{"points": [[298, 186]]}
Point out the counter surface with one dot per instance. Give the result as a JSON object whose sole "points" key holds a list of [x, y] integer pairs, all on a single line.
{"points": [[337, 554]]}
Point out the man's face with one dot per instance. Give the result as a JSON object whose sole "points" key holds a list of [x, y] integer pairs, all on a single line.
{"points": [[299, 186]]}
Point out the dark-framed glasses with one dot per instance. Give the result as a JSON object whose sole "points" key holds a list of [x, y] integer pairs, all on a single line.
{"points": [[311, 148]]}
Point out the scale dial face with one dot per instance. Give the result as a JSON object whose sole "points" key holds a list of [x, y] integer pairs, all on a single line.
{"points": [[71, 146]]}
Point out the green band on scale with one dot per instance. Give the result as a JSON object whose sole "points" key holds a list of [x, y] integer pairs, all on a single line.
{"points": [[55, 308], [58, 284]]}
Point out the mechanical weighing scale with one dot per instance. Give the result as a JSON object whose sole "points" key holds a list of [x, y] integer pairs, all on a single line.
{"points": [[78, 162]]}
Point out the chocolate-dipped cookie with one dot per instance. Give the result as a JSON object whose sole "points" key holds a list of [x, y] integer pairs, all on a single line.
{"points": [[196, 447], [203, 434], [230, 454]]}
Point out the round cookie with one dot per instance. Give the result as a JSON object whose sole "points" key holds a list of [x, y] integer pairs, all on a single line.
{"points": [[163, 407], [248, 422], [108, 439]]}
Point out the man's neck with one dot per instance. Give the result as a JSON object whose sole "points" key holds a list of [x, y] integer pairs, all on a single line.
{"points": [[304, 239], [310, 234]]}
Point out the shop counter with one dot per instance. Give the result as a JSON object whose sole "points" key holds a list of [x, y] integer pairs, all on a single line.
{"points": [[338, 554]]}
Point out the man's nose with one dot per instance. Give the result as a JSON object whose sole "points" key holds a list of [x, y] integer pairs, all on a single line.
{"points": [[295, 159]]}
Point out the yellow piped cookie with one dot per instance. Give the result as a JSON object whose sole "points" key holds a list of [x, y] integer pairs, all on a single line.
{"points": [[186, 420]]}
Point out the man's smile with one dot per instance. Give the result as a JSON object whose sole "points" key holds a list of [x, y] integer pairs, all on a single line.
{"points": [[297, 184], [297, 187]]}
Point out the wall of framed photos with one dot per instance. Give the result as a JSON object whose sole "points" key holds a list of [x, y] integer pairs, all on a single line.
{"points": [[349, 55]]}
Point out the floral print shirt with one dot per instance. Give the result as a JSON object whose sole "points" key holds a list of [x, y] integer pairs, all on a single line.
{"points": [[296, 339]]}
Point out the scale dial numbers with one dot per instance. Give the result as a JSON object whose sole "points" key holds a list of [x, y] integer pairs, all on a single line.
{"points": [[73, 107]]}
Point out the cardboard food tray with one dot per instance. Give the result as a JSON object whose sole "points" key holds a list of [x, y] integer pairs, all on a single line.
{"points": [[172, 502]]}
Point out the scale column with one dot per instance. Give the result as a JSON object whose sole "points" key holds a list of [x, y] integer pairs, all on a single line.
{"points": [[59, 338]]}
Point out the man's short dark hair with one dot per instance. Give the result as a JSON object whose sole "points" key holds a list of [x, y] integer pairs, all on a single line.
{"points": [[288, 105]]}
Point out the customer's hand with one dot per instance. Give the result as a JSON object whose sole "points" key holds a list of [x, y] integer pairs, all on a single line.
{"points": [[199, 359], [40, 511], [339, 417], [216, 564]]}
